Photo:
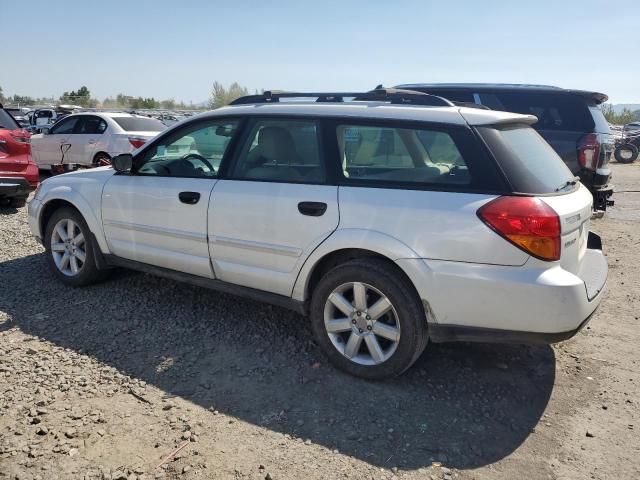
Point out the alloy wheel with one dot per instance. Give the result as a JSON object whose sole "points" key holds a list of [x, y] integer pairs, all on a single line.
{"points": [[361, 323], [68, 247]]}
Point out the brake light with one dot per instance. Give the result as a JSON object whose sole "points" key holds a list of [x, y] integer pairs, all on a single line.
{"points": [[21, 136], [589, 151], [137, 142], [527, 222]]}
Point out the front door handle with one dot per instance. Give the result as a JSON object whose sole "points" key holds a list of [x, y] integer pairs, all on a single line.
{"points": [[312, 209], [190, 198]]}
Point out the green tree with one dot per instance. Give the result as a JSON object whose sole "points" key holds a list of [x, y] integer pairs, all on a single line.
{"points": [[622, 118], [221, 96], [2, 99], [21, 100], [169, 104], [80, 97]]}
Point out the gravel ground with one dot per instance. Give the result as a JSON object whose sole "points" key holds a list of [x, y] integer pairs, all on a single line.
{"points": [[103, 382]]}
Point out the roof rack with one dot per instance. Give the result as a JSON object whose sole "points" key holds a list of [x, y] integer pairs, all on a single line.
{"points": [[394, 96]]}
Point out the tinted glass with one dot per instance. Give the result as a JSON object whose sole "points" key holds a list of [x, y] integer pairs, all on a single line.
{"points": [[281, 151], [535, 160], [7, 121], [554, 112], [90, 125], [192, 151], [64, 126], [140, 124], [387, 154]]}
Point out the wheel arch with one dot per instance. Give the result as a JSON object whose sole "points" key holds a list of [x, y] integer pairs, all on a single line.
{"points": [[66, 197], [345, 245]]}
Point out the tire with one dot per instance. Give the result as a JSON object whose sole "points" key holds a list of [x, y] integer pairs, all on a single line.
{"points": [[101, 159], [86, 272], [623, 151], [17, 202], [404, 321]]}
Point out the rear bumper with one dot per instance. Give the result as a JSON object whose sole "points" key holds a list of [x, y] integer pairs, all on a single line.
{"points": [[491, 303], [14, 187]]}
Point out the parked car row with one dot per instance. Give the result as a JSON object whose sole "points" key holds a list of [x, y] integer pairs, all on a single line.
{"points": [[392, 218]]}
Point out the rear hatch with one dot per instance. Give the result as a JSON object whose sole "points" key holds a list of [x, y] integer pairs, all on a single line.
{"points": [[533, 169], [15, 150], [571, 122]]}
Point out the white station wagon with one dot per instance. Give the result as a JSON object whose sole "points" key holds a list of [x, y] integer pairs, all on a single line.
{"points": [[390, 218]]}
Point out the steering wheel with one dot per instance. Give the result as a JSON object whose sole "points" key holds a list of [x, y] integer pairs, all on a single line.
{"points": [[200, 158]]}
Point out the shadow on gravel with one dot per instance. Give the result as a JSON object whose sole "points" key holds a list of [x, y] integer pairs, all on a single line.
{"points": [[465, 404]]}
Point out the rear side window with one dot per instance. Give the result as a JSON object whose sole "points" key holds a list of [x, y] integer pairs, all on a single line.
{"points": [[7, 121], [90, 125], [139, 124], [281, 151], [404, 155], [529, 162], [554, 111]]}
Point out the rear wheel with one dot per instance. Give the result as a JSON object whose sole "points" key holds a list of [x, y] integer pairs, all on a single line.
{"points": [[101, 159], [626, 153], [368, 319], [69, 248]]}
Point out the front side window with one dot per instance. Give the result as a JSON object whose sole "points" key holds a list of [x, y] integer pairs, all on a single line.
{"points": [[192, 151], [65, 126], [281, 151], [404, 155]]}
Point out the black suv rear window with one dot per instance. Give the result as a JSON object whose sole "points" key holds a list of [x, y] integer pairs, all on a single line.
{"points": [[140, 124], [7, 121], [554, 111], [529, 162]]}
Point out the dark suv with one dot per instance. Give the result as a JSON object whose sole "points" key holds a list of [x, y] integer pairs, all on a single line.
{"points": [[569, 120]]}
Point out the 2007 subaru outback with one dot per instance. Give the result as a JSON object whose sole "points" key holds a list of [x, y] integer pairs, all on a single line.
{"points": [[391, 220]]}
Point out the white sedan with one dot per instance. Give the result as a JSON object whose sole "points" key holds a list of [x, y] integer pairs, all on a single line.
{"points": [[92, 138]]}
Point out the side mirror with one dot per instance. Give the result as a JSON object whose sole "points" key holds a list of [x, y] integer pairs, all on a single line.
{"points": [[45, 130], [122, 163]]}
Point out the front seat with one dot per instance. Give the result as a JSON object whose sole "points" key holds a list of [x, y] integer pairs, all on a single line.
{"points": [[272, 157]]}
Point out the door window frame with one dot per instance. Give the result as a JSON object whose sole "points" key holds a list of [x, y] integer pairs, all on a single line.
{"points": [[251, 120], [141, 157]]}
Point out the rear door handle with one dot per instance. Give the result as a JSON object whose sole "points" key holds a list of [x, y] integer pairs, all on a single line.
{"points": [[190, 198], [312, 209]]}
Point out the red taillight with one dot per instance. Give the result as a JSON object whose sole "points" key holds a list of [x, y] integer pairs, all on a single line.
{"points": [[137, 142], [527, 222], [20, 136], [589, 151]]}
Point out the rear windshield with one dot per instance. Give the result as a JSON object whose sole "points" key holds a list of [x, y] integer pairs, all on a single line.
{"points": [[7, 121], [140, 124], [529, 162], [554, 111]]}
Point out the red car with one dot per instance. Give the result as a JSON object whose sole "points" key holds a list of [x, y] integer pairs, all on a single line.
{"points": [[18, 171]]}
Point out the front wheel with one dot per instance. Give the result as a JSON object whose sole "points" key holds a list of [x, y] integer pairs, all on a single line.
{"points": [[69, 248], [368, 319]]}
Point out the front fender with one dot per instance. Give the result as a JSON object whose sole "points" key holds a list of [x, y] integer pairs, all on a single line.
{"points": [[350, 238], [75, 198]]}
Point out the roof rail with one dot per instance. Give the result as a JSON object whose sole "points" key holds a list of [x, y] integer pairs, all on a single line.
{"points": [[392, 95]]}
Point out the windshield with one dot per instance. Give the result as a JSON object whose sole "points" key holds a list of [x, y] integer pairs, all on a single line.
{"points": [[7, 121], [139, 124], [529, 162]]}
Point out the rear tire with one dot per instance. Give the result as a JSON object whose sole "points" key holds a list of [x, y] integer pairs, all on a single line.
{"points": [[69, 247], [101, 159], [368, 344], [627, 153]]}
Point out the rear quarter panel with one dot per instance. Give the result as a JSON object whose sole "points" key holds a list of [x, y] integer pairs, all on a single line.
{"points": [[434, 225]]}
